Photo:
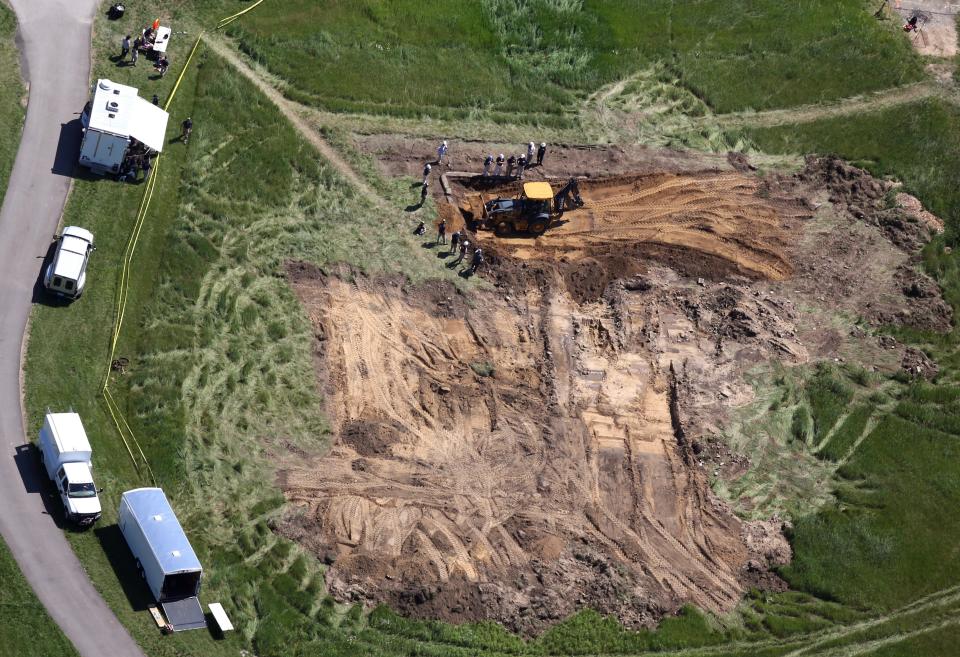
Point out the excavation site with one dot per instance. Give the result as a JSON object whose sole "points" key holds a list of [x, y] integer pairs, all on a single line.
{"points": [[535, 445]]}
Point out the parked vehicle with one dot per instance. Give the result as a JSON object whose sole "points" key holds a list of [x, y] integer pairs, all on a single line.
{"points": [[65, 453], [164, 556], [118, 124], [66, 274]]}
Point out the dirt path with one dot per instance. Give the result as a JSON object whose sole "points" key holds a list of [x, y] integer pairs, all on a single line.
{"points": [[58, 78], [845, 107], [291, 112]]}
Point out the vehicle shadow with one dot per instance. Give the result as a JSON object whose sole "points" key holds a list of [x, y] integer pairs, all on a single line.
{"points": [[36, 482], [114, 546], [40, 294], [65, 161]]}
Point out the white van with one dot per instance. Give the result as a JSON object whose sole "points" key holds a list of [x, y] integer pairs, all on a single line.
{"points": [[67, 272]]}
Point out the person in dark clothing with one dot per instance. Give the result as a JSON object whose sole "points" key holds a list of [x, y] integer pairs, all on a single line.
{"points": [[511, 164], [487, 163], [541, 151], [454, 241], [464, 245], [476, 261], [156, 100], [162, 65], [420, 229], [442, 232], [147, 165], [185, 129], [424, 190], [426, 172]]}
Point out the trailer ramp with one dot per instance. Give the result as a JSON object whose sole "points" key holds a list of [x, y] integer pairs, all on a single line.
{"points": [[184, 614]]}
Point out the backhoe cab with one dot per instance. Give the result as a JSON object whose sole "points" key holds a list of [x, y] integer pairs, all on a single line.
{"points": [[533, 211]]}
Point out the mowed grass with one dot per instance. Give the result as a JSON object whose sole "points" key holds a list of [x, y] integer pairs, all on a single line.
{"points": [[537, 59], [12, 95], [26, 630]]}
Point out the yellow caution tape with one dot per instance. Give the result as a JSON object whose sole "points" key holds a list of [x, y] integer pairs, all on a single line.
{"points": [[229, 19], [123, 427]]}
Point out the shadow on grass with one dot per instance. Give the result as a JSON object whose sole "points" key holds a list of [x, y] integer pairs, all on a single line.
{"points": [[114, 546], [414, 207]]}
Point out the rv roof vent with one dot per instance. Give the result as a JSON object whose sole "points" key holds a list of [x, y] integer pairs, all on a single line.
{"points": [[116, 92], [175, 553], [112, 116], [157, 518], [105, 85], [113, 105]]}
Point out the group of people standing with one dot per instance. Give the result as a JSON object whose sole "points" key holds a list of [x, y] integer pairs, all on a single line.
{"points": [[460, 246], [139, 158], [512, 167], [515, 164], [143, 43]]}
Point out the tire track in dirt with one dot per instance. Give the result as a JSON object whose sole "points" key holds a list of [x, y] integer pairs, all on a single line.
{"points": [[445, 488]]}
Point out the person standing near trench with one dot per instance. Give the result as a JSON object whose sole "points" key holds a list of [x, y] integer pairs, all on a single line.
{"points": [[442, 231]]}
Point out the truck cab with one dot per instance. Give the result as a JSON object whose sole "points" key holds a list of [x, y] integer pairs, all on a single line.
{"points": [[78, 493], [66, 274]]}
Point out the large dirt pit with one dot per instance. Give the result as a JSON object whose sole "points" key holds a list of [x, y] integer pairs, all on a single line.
{"points": [[534, 448]]}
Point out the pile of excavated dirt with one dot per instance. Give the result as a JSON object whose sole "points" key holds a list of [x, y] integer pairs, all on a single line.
{"points": [[542, 445]]}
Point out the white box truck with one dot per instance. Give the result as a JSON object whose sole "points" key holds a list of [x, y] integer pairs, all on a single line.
{"points": [[164, 556], [117, 122], [65, 453]]}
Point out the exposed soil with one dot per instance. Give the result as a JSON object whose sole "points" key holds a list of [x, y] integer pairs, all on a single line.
{"points": [[542, 445], [937, 33]]}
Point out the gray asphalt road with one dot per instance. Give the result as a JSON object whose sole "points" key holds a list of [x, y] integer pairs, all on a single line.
{"points": [[55, 46]]}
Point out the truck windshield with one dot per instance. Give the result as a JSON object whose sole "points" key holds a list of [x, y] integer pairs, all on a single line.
{"points": [[82, 490]]}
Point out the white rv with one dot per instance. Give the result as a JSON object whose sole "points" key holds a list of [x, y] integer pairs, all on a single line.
{"points": [[67, 272], [65, 453], [116, 122], [164, 556]]}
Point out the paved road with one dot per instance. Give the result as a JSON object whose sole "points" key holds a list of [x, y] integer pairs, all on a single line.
{"points": [[55, 46]]}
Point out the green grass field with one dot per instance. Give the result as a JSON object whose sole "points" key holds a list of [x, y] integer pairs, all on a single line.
{"points": [[12, 96], [536, 59], [220, 379]]}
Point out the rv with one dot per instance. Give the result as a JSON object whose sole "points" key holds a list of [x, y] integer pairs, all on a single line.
{"points": [[119, 126]]}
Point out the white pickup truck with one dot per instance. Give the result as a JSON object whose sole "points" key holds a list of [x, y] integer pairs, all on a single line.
{"points": [[67, 272], [65, 453]]}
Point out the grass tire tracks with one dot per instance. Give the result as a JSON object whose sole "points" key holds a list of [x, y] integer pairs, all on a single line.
{"points": [[291, 111]]}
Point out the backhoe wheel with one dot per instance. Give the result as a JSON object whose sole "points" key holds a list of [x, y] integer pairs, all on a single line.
{"points": [[538, 226], [503, 228]]}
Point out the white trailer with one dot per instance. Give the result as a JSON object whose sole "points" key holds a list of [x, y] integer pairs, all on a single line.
{"points": [[66, 453], [115, 122], [164, 556]]}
